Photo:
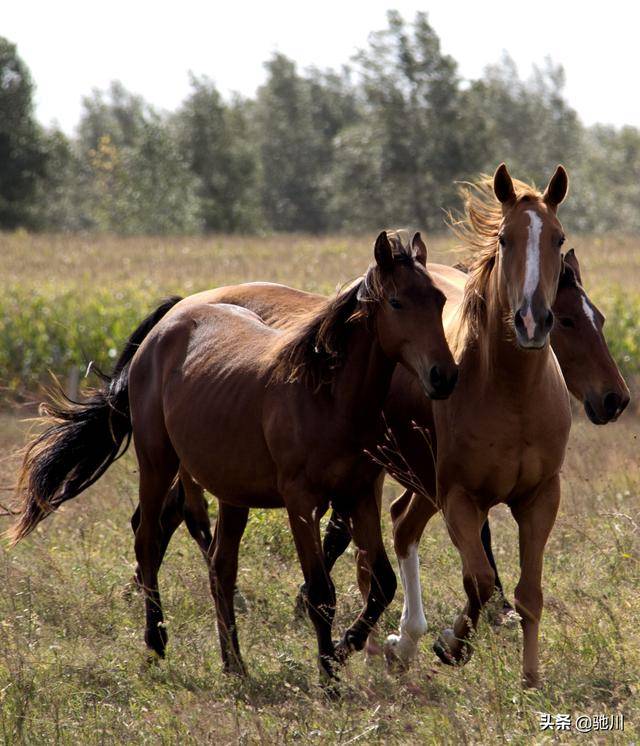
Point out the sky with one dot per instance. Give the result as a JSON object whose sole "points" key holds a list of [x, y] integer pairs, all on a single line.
{"points": [[74, 46]]}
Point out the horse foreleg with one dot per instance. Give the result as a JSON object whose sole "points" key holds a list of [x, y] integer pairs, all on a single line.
{"points": [[304, 517], [223, 571], [504, 614], [337, 538], [535, 517], [464, 521], [364, 523], [408, 528]]}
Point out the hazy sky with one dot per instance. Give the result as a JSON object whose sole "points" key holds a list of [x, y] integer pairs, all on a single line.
{"points": [[74, 46]]}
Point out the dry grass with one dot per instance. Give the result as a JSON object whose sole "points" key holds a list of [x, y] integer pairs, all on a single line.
{"points": [[72, 663]]}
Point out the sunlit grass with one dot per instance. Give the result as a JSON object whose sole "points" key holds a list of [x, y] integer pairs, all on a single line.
{"points": [[73, 668]]}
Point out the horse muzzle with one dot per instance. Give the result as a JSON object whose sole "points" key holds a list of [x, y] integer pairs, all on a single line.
{"points": [[605, 408], [532, 327], [440, 381]]}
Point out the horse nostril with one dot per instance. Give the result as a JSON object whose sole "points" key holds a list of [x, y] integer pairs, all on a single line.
{"points": [[612, 403], [518, 321], [548, 322], [435, 377], [442, 381]]}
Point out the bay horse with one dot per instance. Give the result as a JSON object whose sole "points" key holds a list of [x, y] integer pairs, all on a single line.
{"points": [[261, 418]]}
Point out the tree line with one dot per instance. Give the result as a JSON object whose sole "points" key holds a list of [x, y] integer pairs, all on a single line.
{"points": [[380, 142]]}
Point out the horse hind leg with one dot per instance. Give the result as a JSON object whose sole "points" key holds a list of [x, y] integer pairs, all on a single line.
{"points": [[223, 572], [337, 538], [196, 513], [364, 520], [408, 527], [158, 464], [502, 614], [170, 519]]}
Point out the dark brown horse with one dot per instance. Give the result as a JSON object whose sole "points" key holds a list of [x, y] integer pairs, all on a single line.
{"points": [[262, 418]]}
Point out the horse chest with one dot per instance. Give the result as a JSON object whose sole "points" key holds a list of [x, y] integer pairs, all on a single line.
{"points": [[497, 452]]}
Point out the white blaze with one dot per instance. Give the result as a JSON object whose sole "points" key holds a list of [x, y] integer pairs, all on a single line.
{"points": [[588, 311], [532, 269]]}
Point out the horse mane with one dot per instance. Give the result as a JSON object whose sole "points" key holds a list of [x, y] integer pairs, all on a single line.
{"points": [[477, 227], [314, 347]]}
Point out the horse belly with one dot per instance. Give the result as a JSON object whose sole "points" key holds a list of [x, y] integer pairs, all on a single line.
{"points": [[216, 430]]}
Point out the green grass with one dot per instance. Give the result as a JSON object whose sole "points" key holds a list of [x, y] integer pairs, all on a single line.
{"points": [[73, 667]]}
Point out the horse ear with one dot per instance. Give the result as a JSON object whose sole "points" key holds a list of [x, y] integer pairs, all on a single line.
{"points": [[383, 252], [557, 188], [503, 186], [419, 249], [571, 260]]}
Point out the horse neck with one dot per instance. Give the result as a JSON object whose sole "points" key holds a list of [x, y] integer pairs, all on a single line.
{"points": [[502, 357], [362, 383]]}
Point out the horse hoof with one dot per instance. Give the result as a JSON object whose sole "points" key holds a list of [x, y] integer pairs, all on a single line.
{"points": [[444, 646], [394, 661], [240, 602], [343, 649], [235, 668], [331, 690], [503, 615], [509, 619], [300, 611]]}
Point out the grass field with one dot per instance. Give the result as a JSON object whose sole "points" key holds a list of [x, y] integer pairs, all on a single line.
{"points": [[73, 668]]}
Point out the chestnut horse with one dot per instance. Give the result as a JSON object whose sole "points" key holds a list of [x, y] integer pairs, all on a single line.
{"points": [[262, 418], [503, 436]]}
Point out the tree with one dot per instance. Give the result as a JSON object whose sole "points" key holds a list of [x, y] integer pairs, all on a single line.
{"points": [[297, 119], [22, 158], [214, 141], [138, 181], [412, 98]]}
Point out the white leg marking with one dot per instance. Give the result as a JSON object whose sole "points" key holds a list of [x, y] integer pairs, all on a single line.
{"points": [[588, 311], [532, 269], [413, 624]]}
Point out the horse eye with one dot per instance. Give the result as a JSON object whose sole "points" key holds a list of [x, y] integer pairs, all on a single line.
{"points": [[567, 322], [502, 241], [395, 303], [561, 240]]}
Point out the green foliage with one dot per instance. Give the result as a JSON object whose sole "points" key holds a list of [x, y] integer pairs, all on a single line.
{"points": [[22, 158], [297, 120], [46, 330], [214, 141], [623, 331]]}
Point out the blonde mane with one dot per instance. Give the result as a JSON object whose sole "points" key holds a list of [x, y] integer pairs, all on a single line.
{"points": [[477, 228]]}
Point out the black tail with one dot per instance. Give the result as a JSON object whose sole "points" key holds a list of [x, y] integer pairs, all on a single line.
{"points": [[80, 440]]}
